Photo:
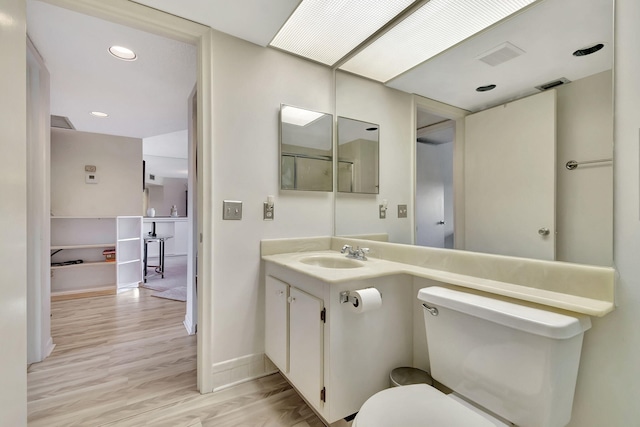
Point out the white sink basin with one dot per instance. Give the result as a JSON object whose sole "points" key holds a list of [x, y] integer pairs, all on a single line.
{"points": [[327, 261]]}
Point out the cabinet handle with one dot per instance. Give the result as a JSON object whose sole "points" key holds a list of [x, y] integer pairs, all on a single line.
{"points": [[280, 293], [292, 300]]}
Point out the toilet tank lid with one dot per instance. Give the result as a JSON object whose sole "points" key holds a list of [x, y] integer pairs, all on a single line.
{"points": [[529, 319]]}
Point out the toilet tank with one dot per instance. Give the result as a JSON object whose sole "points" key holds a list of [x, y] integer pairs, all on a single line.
{"points": [[517, 361]]}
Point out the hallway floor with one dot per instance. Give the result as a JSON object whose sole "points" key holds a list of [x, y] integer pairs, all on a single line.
{"points": [[126, 360]]}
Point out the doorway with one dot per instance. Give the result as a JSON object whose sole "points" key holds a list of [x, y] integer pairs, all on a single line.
{"points": [[434, 180], [146, 19]]}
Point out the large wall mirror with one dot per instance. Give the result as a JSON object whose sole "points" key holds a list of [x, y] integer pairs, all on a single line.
{"points": [[306, 149], [540, 42], [357, 156]]}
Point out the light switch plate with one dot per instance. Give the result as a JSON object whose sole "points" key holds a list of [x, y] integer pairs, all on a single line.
{"points": [[232, 209], [402, 211]]}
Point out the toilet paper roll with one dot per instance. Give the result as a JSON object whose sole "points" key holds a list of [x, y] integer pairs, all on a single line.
{"points": [[364, 300]]}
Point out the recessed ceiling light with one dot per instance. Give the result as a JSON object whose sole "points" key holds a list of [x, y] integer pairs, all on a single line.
{"points": [[327, 30], [435, 27], [588, 50], [486, 88], [99, 114], [123, 53]]}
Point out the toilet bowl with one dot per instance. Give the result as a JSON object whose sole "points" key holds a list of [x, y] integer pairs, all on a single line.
{"points": [[420, 405]]}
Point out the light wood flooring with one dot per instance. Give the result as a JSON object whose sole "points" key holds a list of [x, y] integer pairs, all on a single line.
{"points": [[126, 360]]}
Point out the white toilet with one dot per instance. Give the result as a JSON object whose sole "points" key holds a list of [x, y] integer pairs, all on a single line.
{"points": [[517, 362]]}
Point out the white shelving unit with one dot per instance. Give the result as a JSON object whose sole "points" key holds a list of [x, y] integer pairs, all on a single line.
{"points": [[129, 251], [84, 238]]}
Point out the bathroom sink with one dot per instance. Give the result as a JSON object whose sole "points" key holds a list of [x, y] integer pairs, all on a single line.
{"points": [[331, 262]]}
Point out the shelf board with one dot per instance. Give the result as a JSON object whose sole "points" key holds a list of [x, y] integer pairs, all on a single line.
{"points": [[93, 246], [84, 264], [129, 239]]}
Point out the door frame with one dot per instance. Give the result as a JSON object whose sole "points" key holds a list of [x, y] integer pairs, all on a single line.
{"points": [[457, 115], [144, 18]]}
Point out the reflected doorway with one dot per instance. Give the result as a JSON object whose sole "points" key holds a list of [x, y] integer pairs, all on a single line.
{"points": [[434, 180]]}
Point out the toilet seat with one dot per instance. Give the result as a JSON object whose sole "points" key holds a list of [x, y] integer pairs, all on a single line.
{"points": [[416, 405]]}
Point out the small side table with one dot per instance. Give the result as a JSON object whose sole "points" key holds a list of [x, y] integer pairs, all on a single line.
{"points": [[160, 240]]}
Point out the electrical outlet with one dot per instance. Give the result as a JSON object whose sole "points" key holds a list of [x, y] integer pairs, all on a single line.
{"points": [[267, 211], [402, 211], [232, 209], [383, 211]]}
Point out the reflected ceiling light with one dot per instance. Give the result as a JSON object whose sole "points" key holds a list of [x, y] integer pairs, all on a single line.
{"points": [[123, 53], [298, 116], [327, 30], [99, 114], [430, 30]]}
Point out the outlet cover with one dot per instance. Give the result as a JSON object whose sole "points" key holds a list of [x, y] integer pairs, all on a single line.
{"points": [[232, 209], [382, 211], [267, 211], [402, 211]]}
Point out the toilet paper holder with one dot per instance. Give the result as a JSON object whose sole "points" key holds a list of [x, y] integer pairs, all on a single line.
{"points": [[346, 297]]}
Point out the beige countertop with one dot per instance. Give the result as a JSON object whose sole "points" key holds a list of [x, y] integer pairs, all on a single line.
{"points": [[593, 303]]}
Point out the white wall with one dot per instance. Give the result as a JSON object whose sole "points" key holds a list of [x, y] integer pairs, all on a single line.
{"points": [[13, 211], [608, 386], [250, 83], [362, 99], [39, 343], [119, 168], [584, 203], [171, 192]]}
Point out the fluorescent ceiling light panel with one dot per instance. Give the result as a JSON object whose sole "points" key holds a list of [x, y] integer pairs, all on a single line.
{"points": [[327, 30], [298, 116], [432, 29]]}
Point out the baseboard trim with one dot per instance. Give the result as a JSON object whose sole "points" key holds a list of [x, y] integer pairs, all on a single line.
{"points": [[48, 349], [191, 330], [239, 370], [84, 293]]}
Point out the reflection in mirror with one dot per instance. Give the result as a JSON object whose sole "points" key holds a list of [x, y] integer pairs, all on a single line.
{"points": [[546, 36], [306, 149], [357, 156]]}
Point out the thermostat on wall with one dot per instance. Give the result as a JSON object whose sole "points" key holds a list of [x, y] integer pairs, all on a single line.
{"points": [[91, 178]]}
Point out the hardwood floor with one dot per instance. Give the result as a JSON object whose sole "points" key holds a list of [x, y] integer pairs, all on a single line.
{"points": [[126, 360]]}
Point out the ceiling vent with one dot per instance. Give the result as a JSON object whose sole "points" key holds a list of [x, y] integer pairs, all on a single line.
{"points": [[500, 54], [555, 83], [61, 122]]}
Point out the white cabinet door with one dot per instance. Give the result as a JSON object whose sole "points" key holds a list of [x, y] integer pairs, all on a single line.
{"points": [[510, 171], [275, 323], [306, 345]]}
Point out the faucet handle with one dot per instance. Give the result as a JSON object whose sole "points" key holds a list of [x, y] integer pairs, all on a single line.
{"points": [[345, 248], [365, 250]]}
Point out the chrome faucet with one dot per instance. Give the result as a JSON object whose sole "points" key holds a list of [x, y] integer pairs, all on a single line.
{"points": [[357, 253]]}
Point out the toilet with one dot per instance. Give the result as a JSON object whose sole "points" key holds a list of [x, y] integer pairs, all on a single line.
{"points": [[508, 364]]}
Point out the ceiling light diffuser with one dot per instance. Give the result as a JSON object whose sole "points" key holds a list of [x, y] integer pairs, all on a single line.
{"points": [[298, 116], [99, 114], [327, 30], [123, 53], [433, 28]]}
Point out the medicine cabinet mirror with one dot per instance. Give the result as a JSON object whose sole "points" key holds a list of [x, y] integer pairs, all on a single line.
{"points": [[358, 158], [306, 149]]}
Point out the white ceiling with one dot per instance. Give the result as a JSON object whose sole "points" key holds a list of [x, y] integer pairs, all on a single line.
{"points": [[143, 98], [147, 97], [548, 32]]}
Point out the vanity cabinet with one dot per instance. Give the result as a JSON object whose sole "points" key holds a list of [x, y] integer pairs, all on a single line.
{"points": [[334, 357], [294, 336]]}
